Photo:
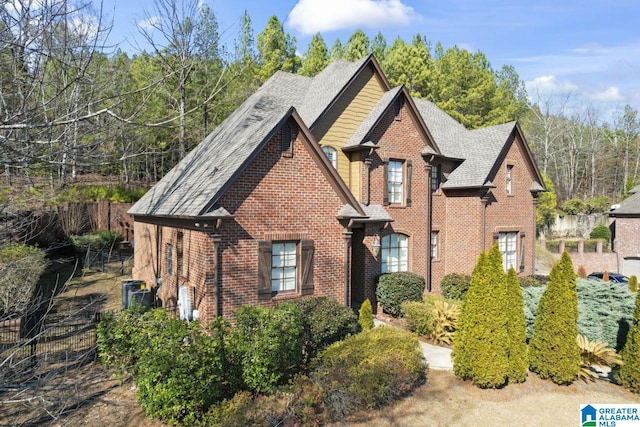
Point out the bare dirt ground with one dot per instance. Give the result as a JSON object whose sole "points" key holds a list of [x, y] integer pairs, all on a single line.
{"points": [[89, 395]]}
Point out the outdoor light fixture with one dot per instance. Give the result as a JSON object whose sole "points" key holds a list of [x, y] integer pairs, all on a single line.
{"points": [[375, 246]]}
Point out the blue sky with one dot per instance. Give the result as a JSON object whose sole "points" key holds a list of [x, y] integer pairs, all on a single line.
{"points": [[586, 51]]}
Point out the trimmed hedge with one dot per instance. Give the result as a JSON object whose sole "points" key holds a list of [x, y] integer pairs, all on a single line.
{"points": [[324, 322], [455, 286], [368, 370], [395, 288]]}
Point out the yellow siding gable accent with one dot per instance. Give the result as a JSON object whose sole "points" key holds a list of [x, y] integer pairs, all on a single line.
{"points": [[337, 126]]}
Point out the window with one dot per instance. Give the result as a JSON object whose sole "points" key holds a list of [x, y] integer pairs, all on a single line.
{"points": [[285, 266], [332, 155], [509, 179], [435, 177], [507, 243], [179, 253], [395, 253], [434, 244], [394, 181], [169, 259]]}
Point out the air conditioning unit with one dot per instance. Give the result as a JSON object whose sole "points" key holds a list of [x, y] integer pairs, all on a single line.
{"points": [[184, 303], [143, 297], [129, 286]]}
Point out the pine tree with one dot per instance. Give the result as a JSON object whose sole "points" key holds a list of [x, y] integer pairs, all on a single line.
{"points": [[357, 46], [276, 50], [316, 58], [553, 352], [481, 342], [517, 330], [628, 375]]}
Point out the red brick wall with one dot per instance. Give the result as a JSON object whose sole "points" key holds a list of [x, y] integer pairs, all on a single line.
{"points": [[627, 232], [401, 140]]}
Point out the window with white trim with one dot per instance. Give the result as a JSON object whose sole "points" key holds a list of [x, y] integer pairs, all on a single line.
{"points": [[434, 244], [395, 253], [283, 266], [507, 243], [332, 155], [509, 183], [394, 182]]}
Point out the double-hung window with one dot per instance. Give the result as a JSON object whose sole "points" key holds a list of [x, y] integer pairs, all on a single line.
{"points": [[507, 243], [434, 244], [395, 253], [395, 182], [283, 266]]}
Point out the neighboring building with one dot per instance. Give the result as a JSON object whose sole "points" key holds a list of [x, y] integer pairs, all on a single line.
{"points": [[625, 227], [316, 186]]}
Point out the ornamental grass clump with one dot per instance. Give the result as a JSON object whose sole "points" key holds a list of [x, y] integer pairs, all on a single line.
{"points": [[553, 351]]}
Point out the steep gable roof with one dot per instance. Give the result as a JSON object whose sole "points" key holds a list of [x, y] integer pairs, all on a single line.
{"points": [[195, 184]]}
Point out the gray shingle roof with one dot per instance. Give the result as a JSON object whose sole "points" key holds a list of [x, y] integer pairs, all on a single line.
{"points": [[629, 206], [479, 149], [192, 186]]}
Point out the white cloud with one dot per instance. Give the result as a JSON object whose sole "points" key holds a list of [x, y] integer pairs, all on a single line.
{"points": [[312, 16], [149, 23], [550, 85], [610, 94]]}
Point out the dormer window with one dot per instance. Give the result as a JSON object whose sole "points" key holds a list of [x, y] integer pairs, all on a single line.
{"points": [[332, 155]]}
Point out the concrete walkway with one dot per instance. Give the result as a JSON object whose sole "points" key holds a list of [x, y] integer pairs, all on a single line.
{"points": [[438, 358]]}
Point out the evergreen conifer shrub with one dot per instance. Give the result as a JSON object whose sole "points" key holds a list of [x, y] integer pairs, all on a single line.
{"points": [[517, 330], [633, 284], [481, 343], [553, 352], [365, 316], [628, 375]]}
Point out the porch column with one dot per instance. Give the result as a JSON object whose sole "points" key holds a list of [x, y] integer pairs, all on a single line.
{"points": [[347, 267]]}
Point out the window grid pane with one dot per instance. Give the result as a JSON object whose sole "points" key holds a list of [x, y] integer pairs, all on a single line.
{"points": [[283, 266], [507, 243], [395, 182], [395, 253], [435, 177], [434, 245]]}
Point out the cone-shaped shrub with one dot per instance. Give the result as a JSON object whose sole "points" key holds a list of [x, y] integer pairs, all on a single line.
{"points": [[553, 352], [365, 315], [633, 284], [481, 342], [517, 330], [628, 375]]}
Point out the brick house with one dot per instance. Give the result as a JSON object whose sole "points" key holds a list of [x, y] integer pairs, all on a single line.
{"points": [[316, 186], [625, 225]]}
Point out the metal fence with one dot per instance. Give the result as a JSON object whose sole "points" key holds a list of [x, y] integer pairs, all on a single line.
{"points": [[56, 339]]}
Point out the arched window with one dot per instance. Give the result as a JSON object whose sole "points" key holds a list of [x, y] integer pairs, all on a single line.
{"points": [[395, 253], [332, 155]]}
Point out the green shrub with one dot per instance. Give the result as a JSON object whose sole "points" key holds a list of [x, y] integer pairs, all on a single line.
{"points": [[395, 288], [365, 316], [418, 315], [574, 207], [118, 336], [530, 281], [266, 344], [601, 231], [325, 321], [480, 348], [185, 372], [554, 352], [571, 246], [517, 350], [20, 269], [628, 375], [97, 240], [553, 246], [600, 204], [633, 284], [368, 370], [455, 286]]}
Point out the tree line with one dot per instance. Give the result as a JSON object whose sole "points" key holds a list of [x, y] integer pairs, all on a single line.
{"points": [[72, 104]]}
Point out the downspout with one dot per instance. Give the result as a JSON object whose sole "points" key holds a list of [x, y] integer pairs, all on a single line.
{"points": [[347, 266], [535, 234], [429, 226], [485, 202]]}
